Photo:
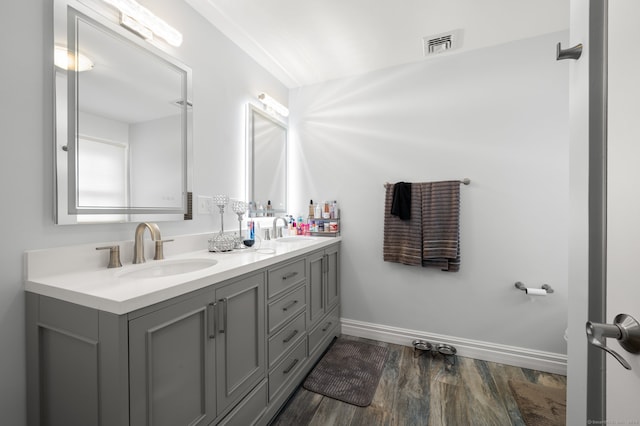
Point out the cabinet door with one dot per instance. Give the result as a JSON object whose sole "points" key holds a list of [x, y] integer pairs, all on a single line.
{"points": [[240, 339], [332, 279], [171, 365], [316, 286]]}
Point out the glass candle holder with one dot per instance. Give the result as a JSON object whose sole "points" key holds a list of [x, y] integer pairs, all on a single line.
{"points": [[221, 201], [239, 208]]}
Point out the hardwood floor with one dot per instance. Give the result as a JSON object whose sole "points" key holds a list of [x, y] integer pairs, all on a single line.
{"points": [[423, 390]]}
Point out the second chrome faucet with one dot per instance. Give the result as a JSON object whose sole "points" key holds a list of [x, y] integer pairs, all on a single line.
{"points": [[275, 229]]}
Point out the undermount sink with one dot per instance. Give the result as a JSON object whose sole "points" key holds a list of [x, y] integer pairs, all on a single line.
{"points": [[168, 268], [292, 239]]}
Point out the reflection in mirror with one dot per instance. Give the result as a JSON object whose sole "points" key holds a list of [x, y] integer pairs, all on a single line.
{"points": [[122, 127], [267, 160]]}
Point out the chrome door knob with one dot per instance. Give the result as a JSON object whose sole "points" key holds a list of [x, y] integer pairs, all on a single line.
{"points": [[625, 329]]}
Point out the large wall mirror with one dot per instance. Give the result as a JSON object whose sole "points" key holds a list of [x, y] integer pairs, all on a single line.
{"points": [[123, 126], [266, 160]]}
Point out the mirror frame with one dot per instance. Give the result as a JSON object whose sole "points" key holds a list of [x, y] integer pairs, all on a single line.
{"points": [[250, 164], [75, 11]]}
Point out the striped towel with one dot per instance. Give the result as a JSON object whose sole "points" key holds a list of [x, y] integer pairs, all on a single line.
{"points": [[441, 225], [431, 237], [403, 238]]}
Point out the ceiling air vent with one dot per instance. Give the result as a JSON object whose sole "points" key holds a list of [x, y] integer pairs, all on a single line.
{"points": [[439, 43]]}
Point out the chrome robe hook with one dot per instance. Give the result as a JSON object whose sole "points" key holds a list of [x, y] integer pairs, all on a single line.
{"points": [[571, 53]]}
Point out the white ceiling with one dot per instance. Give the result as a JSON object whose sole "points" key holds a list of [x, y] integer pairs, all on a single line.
{"points": [[305, 42]]}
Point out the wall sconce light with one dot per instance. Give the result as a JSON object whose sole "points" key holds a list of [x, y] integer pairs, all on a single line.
{"points": [[276, 106], [143, 22], [67, 61]]}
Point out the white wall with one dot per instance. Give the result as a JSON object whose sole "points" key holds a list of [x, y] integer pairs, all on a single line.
{"points": [[225, 79], [498, 116]]}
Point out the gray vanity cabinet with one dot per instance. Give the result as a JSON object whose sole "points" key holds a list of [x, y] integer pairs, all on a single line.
{"points": [[324, 298], [171, 364], [231, 353], [240, 339], [324, 283], [189, 362], [332, 281]]}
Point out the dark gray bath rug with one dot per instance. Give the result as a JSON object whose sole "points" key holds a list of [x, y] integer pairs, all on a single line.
{"points": [[349, 372]]}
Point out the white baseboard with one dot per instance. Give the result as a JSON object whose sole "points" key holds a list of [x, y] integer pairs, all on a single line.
{"points": [[510, 355]]}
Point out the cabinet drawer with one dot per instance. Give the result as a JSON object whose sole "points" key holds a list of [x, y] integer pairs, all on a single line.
{"points": [[250, 409], [286, 308], [280, 279], [324, 329], [287, 369], [286, 338]]}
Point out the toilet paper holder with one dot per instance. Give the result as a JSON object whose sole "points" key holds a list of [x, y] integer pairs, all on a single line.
{"points": [[545, 287]]}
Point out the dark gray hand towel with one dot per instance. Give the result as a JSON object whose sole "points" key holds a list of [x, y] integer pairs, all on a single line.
{"points": [[401, 204], [403, 238]]}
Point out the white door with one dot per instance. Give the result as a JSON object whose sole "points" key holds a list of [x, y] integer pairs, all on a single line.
{"points": [[622, 283], [623, 202]]}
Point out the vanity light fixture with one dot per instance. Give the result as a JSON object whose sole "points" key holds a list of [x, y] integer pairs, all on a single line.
{"points": [[142, 21], [135, 26], [269, 102], [66, 60]]}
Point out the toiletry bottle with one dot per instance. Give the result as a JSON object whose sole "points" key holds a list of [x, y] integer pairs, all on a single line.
{"points": [[325, 213], [269, 209], [299, 229], [251, 230], [336, 210], [318, 212], [311, 209]]}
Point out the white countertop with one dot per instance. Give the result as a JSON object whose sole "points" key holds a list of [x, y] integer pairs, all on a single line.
{"points": [[79, 274]]}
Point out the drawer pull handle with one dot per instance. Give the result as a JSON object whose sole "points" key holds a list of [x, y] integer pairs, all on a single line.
{"points": [[289, 305], [293, 364], [289, 337], [211, 315], [289, 275], [326, 327], [223, 323]]}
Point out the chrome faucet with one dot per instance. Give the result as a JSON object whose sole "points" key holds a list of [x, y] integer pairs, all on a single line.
{"points": [[138, 244], [275, 235]]}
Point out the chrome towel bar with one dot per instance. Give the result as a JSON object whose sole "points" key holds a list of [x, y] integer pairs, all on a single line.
{"points": [[465, 181]]}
